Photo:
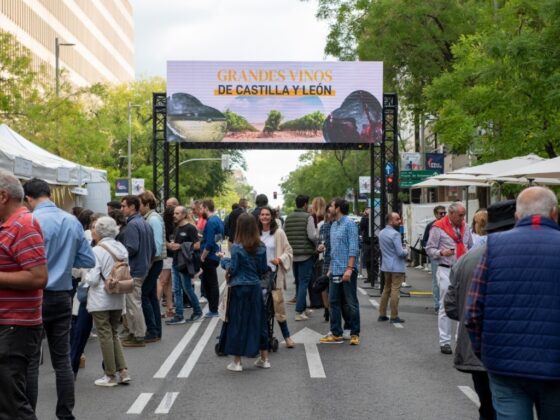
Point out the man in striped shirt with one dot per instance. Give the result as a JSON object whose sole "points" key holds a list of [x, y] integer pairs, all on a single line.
{"points": [[23, 275]]}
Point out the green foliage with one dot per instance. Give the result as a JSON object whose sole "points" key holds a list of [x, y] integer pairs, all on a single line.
{"points": [[237, 123], [272, 122], [310, 122]]}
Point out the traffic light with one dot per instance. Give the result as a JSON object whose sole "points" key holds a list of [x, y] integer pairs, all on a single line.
{"points": [[274, 195], [390, 183]]}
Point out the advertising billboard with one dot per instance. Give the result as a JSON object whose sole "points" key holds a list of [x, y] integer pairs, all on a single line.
{"points": [[274, 102]]}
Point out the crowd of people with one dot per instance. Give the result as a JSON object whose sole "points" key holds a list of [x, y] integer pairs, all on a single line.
{"points": [[55, 268]]}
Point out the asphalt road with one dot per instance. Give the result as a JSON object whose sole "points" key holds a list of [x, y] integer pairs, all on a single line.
{"points": [[395, 373]]}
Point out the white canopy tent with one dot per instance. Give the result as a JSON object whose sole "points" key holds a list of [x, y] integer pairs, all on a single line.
{"points": [[435, 182], [545, 169], [498, 167], [27, 160]]}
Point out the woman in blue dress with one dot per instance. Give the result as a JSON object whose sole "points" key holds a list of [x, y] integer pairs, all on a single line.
{"points": [[245, 330]]}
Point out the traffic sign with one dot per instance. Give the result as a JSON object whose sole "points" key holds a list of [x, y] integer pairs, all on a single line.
{"points": [[408, 178]]}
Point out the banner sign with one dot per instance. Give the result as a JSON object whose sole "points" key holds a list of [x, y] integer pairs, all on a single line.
{"points": [[434, 162], [408, 178], [121, 187], [411, 161], [274, 102]]}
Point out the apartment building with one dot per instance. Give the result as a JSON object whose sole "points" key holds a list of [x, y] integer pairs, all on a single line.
{"points": [[101, 31]]}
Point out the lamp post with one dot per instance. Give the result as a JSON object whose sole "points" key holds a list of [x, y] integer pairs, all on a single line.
{"points": [[57, 45], [130, 106]]}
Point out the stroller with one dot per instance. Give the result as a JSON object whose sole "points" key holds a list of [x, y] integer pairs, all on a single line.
{"points": [[268, 283]]}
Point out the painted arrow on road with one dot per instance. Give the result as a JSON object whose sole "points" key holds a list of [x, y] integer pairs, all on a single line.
{"points": [[310, 339]]}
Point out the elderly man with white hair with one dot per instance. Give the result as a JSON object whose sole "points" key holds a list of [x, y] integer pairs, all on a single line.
{"points": [[513, 310], [449, 240]]}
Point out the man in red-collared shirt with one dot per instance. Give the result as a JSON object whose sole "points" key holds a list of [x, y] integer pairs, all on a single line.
{"points": [[23, 275]]}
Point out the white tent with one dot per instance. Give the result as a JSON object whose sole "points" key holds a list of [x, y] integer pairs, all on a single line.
{"points": [[27, 160], [434, 182], [498, 167], [546, 169]]}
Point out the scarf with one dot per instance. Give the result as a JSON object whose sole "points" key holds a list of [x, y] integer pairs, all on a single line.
{"points": [[445, 224]]}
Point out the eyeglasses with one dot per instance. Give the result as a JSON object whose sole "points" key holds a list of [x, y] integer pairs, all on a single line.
{"points": [[442, 213]]}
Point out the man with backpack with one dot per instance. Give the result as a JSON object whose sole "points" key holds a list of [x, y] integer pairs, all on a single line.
{"points": [[138, 238]]}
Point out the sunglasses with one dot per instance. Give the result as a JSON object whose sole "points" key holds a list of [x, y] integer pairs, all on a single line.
{"points": [[442, 213]]}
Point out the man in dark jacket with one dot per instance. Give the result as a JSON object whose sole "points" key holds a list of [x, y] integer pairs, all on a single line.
{"points": [[371, 256], [513, 306], [231, 222], [501, 217], [139, 241], [260, 201]]}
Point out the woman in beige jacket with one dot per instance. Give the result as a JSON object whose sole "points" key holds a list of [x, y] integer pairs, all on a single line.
{"points": [[279, 257]]}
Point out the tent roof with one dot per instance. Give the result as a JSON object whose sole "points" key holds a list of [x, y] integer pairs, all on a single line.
{"points": [[500, 166], [434, 182], [545, 169], [45, 165]]}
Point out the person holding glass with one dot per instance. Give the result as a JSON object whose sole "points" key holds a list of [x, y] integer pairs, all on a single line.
{"points": [[279, 257], [245, 331]]}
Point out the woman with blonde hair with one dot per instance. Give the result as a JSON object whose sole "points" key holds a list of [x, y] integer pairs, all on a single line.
{"points": [[478, 227], [318, 209]]}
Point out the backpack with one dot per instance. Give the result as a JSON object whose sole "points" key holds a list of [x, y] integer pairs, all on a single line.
{"points": [[119, 280]]}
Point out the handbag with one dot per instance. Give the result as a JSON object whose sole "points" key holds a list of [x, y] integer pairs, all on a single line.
{"points": [[81, 293], [320, 283], [268, 279]]}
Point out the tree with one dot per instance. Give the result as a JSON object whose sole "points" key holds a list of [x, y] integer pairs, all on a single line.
{"points": [[502, 94], [237, 123], [272, 122]]}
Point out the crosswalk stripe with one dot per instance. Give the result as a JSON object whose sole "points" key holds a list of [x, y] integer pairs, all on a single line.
{"points": [[197, 351], [138, 406], [471, 395], [166, 403]]}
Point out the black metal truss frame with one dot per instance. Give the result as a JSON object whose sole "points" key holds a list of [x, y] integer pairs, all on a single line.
{"points": [[166, 156]]}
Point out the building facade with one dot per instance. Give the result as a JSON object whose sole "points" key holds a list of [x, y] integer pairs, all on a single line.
{"points": [[102, 32]]}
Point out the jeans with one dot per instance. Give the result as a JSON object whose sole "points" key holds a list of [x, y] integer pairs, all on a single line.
{"points": [[57, 316], [302, 274], [150, 302], [79, 335], [482, 387], [18, 345], [338, 294], [106, 324], [210, 282], [435, 285], [514, 397], [182, 282]]}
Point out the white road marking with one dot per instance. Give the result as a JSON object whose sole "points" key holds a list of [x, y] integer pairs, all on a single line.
{"points": [[398, 325], [195, 355], [138, 406], [166, 403], [310, 339], [362, 291], [374, 303], [181, 345], [471, 395]]}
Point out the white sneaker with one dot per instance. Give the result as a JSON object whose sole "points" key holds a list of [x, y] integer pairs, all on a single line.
{"points": [[308, 312], [346, 335], [106, 381], [301, 316], [202, 299], [124, 377], [262, 363], [235, 367]]}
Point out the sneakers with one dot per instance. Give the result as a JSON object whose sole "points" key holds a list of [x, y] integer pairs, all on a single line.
{"points": [[309, 312], [382, 318], [346, 335], [124, 377], [397, 320], [211, 314], [202, 299], [195, 317], [262, 363], [134, 342], [291, 301], [151, 339], [331, 339], [354, 340], [301, 316], [235, 367], [176, 320], [290, 343], [446, 349], [106, 381]]}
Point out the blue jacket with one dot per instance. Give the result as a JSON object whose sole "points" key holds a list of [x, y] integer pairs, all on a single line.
{"points": [[245, 269], [212, 234], [138, 238], [393, 254], [521, 324]]}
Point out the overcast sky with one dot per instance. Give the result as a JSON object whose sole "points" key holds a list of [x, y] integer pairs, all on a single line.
{"points": [[252, 30]]}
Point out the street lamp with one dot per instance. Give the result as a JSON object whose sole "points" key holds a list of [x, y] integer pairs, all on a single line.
{"points": [[130, 106], [57, 45]]}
